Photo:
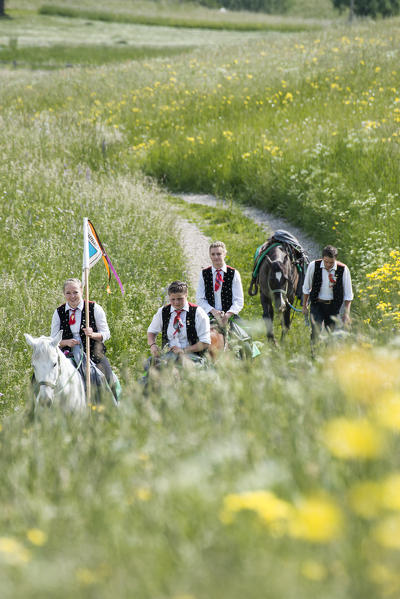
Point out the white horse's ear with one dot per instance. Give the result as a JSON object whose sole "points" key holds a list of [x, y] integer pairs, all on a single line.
{"points": [[56, 340], [30, 340]]}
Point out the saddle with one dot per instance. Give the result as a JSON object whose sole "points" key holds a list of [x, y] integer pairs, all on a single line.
{"points": [[292, 247]]}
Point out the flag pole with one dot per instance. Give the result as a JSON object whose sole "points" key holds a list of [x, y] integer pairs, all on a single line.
{"points": [[86, 275]]}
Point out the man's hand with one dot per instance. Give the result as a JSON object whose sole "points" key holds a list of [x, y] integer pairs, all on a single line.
{"points": [[346, 318], [218, 315], [69, 342], [177, 350], [225, 317], [154, 350]]}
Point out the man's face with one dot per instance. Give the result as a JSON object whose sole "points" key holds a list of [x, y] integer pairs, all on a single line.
{"points": [[177, 300], [328, 262], [217, 256]]}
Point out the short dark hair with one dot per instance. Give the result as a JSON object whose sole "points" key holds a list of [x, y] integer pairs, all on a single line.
{"points": [[329, 251], [177, 287]]}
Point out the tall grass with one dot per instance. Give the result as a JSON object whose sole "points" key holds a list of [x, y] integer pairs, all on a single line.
{"points": [[306, 127], [62, 56], [45, 192], [210, 488], [276, 478], [174, 21]]}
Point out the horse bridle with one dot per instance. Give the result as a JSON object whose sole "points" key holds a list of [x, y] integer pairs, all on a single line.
{"points": [[47, 383], [284, 291]]}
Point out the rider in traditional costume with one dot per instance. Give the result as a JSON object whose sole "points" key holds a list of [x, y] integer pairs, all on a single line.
{"points": [[327, 286], [70, 318], [184, 327], [219, 290]]}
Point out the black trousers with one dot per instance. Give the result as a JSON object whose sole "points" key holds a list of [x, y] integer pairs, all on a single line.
{"points": [[322, 314], [105, 367]]}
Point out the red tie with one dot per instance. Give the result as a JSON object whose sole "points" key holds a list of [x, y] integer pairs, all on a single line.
{"points": [[72, 316], [177, 324], [218, 280], [332, 279]]}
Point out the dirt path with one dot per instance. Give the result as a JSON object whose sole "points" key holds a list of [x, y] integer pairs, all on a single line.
{"points": [[195, 247], [268, 222], [195, 244]]}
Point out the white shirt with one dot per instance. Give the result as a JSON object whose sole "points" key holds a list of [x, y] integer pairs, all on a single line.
{"points": [[326, 291], [237, 293], [99, 316], [179, 339]]}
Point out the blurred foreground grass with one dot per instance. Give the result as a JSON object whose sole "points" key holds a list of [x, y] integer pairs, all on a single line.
{"points": [[213, 486]]}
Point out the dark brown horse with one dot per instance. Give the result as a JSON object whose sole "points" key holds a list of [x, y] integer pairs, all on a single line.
{"points": [[278, 278]]}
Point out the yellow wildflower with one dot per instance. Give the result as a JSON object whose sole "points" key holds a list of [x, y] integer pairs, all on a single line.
{"points": [[313, 570], [266, 505], [381, 574], [316, 519], [387, 532], [364, 375], [86, 576], [13, 552], [365, 498], [387, 411], [143, 494], [36, 536], [391, 492], [352, 439]]}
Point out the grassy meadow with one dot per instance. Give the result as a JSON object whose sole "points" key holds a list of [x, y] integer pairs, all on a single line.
{"points": [[276, 478]]}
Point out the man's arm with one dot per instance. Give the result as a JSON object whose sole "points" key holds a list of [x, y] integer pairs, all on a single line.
{"points": [[151, 340], [307, 286], [305, 303], [346, 312], [347, 295], [237, 298], [154, 329], [201, 299], [191, 349]]}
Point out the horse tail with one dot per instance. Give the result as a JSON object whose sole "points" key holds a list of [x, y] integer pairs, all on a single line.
{"points": [[254, 285]]}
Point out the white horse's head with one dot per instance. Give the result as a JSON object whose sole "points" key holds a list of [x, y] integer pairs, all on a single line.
{"points": [[46, 364]]}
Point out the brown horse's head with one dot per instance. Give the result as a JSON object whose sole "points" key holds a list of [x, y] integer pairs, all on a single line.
{"points": [[278, 278]]}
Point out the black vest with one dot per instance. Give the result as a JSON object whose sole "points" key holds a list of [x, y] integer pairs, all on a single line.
{"points": [[97, 349], [337, 288], [191, 332], [226, 290]]}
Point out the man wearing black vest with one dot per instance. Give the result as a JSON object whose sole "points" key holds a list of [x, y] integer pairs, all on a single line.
{"points": [[219, 290], [184, 327], [327, 286]]}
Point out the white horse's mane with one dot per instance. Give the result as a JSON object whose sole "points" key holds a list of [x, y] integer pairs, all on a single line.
{"points": [[43, 345]]}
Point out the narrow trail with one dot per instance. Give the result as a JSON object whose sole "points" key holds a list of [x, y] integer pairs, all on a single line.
{"points": [[195, 244], [195, 247]]}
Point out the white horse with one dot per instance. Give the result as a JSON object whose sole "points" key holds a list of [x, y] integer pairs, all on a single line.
{"points": [[59, 381]]}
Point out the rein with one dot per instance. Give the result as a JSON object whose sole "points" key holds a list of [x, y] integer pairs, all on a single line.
{"points": [[52, 385], [293, 307], [286, 299]]}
